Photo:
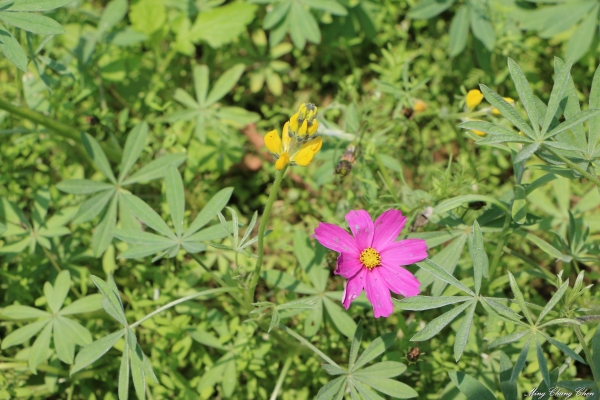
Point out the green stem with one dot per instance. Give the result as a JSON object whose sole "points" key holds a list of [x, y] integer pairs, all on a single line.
{"points": [[181, 300], [261, 236], [216, 278], [284, 371], [309, 345], [586, 350], [592, 178], [59, 128]]}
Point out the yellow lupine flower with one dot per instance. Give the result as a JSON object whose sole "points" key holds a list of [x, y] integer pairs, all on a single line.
{"points": [[474, 97], [282, 147], [303, 123], [420, 106], [510, 101]]}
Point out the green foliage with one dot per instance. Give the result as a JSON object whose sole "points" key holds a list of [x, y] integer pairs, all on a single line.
{"points": [[143, 120]]}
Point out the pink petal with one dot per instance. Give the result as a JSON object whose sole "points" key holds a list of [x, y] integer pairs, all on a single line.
{"points": [[399, 280], [387, 228], [361, 225], [348, 265], [378, 294], [335, 238], [354, 288], [404, 252]]}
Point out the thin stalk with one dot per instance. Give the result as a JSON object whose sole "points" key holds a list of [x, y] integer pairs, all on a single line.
{"points": [[181, 300], [217, 278], [65, 131], [261, 236], [586, 350], [590, 177], [284, 371], [309, 345]]}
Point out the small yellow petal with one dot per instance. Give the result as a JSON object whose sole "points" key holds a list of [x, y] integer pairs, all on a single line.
{"points": [[313, 128], [479, 133], [286, 137], [474, 97], [273, 142], [303, 129], [509, 101], [283, 160], [294, 123], [315, 145], [304, 156]]}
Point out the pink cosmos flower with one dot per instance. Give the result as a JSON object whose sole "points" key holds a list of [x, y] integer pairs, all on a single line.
{"points": [[372, 259]]}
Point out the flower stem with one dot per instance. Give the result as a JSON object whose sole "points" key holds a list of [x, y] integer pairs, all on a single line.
{"points": [[284, 371], [261, 236], [66, 131], [576, 167], [181, 300]]}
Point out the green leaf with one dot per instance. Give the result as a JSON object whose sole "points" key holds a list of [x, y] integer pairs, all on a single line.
{"points": [[137, 369], [134, 145], [384, 369], [23, 334], [594, 128], [574, 121], [55, 296], [478, 256], [229, 378], [526, 152], [90, 208], [34, 23], [114, 13], [503, 311], [459, 31], [525, 94], [186, 99], [18, 312], [136, 237], [355, 345], [276, 15], [429, 8], [148, 16], [519, 207], [342, 321], [332, 387], [64, 345], [207, 339], [77, 332], [147, 215], [37, 5], [333, 369], [545, 246], [564, 348], [86, 304], [175, 198], [313, 320], [210, 210], [554, 300], [397, 390], [520, 361], [439, 323], [510, 338], [366, 392], [330, 6], [560, 84], [509, 389], [519, 297], [92, 147], [454, 202], [95, 350], [103, 234], [200, 73], [375, 349], [38, 353], [124, 374], [470, 387], [156, 169], [13, 50], [509, 111], [113, 300], [225, 83], [82, 186], [285, 281], [481, 26], [444, 275], [221, 25], [420, 303], [214, 232], [448, 259], [543, 364], [595, 348], [462, 334]]}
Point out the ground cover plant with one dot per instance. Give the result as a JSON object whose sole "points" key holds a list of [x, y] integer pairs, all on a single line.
{"points": [[329, 199]]}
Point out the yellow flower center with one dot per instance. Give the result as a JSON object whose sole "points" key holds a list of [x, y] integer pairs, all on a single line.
{"points": [[370, 258]]}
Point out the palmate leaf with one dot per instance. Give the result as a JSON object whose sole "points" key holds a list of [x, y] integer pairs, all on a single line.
{"points": [[364, 379]]}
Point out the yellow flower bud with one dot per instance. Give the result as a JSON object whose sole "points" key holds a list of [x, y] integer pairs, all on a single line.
{"points": [[474, 97], [303, 129], [294, 123], [313, 128], [282, 161]]}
